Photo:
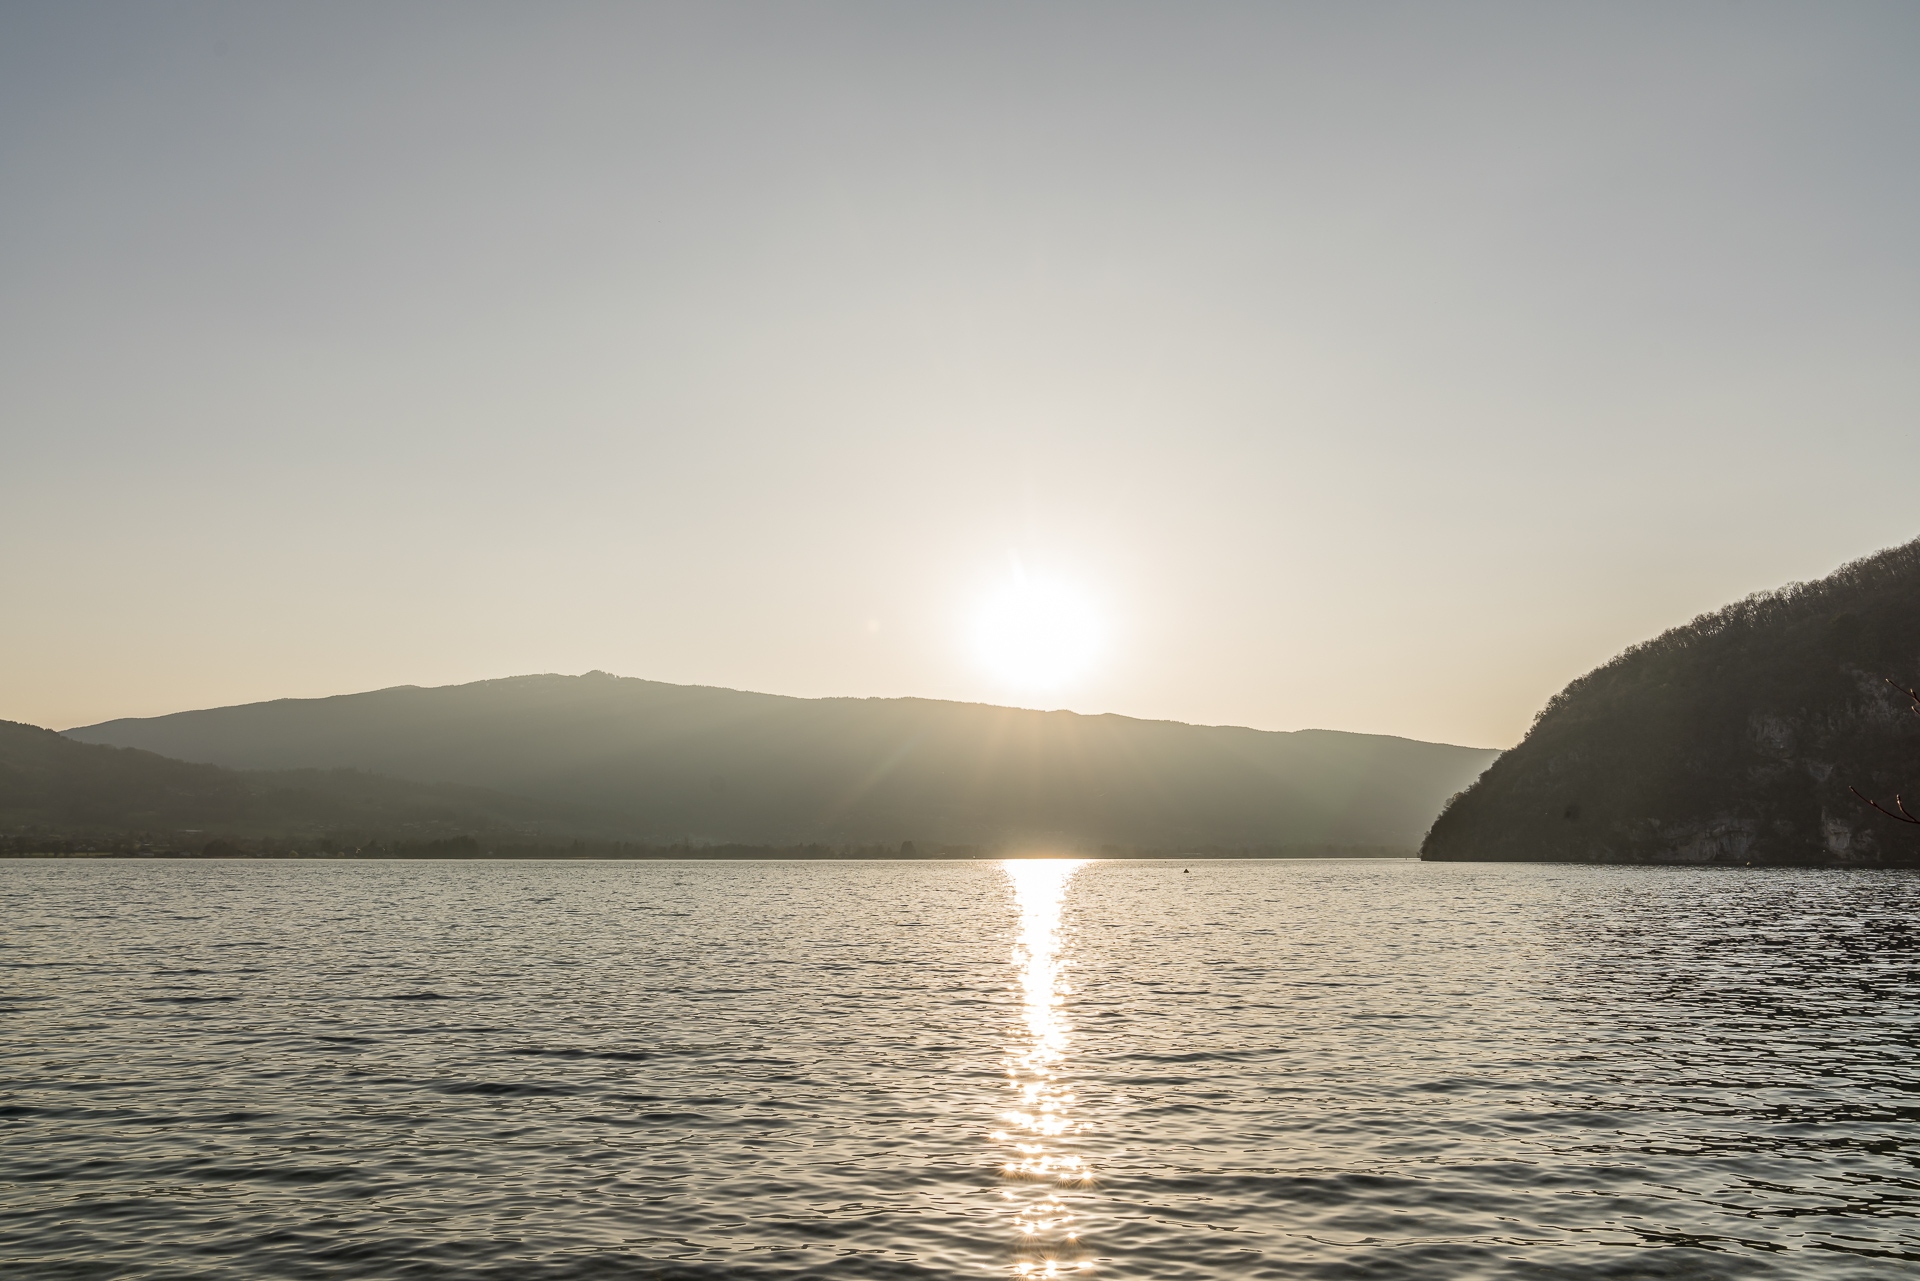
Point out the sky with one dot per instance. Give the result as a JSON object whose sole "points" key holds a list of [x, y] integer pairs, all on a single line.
{"points": [[1371, 367]]}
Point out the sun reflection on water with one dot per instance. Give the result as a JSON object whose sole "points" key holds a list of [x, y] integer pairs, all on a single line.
{"points": [[1039, 1168]]}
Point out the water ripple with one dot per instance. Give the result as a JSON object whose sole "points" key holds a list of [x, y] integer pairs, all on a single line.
{"points": [[1312, 1070]]}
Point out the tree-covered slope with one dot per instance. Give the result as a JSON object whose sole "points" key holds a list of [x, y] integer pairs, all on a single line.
{"points": [[1732, 739], [677, 762], [49, 781]]}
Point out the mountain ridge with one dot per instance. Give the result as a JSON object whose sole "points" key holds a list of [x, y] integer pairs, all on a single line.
{"points": [[50, 782], [795, 698], [708, 763]]}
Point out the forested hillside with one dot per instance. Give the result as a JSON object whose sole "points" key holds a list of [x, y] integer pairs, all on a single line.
{"points": [[1734, 739]]}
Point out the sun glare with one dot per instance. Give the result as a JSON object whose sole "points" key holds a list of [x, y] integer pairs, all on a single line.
{"points": [[1041, 1163], [1037, 635]]}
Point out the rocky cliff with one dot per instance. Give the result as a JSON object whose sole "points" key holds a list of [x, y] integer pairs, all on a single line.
{"points": [[1733, 739]]}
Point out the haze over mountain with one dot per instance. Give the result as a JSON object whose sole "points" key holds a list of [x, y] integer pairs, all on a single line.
{"points": [[1734, 739], [49, 781], [671, 762]]}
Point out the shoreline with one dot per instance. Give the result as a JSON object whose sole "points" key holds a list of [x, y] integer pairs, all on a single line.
{"points": [[686, 857]]}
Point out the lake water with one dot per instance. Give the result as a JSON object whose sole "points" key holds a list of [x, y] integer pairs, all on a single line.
{"points": [[1325, 1069]]}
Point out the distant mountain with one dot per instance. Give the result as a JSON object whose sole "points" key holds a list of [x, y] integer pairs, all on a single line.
{"points": [[49, 781], [1733, 739], [672, 762]]}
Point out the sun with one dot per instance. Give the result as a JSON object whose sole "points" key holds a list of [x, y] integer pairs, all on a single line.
{"points": [[1037, 634]]}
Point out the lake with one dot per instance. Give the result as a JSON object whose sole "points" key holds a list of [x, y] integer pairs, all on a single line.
{"points": [[1292, 1069]]}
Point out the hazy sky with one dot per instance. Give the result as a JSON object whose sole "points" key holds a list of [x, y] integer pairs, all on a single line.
{"points": [[1362, 366]]}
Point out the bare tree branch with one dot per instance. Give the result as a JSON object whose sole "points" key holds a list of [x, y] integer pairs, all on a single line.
{"points": [[1909, 693], [1905, 815], [1901, 817]]}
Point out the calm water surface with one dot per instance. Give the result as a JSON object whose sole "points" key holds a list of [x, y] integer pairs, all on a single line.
{"points": [[1327, 1069]]}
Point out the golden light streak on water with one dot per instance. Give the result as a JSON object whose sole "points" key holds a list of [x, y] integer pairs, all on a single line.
{"points": [[1040, 1166]]}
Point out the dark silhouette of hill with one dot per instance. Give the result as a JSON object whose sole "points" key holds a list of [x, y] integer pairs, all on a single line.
{"points": [[1732, 739], [50, 782], [671, 762]]}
